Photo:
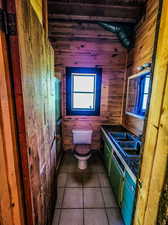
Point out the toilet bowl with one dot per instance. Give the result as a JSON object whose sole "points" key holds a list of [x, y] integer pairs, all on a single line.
{"points": [[82, 140]]}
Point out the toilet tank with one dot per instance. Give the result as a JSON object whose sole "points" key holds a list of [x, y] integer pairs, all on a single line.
{"points": [[82, 136]]}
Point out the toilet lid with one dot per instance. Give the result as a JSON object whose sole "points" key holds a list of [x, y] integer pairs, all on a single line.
{"points": [[82, 150]]}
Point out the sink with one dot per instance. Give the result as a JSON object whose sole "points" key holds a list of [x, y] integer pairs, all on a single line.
{"points": [[131, 151], [121, 136], [127, 143]]}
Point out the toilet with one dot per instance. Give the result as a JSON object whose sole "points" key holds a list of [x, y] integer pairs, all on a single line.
{"points": [[82, 140]]}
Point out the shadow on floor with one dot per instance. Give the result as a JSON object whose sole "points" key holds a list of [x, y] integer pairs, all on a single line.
{"points": [[85, 197]]}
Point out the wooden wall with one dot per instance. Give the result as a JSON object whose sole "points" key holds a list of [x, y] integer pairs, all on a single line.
{"points": [[142, 53], [38, 90], [89, 45]]}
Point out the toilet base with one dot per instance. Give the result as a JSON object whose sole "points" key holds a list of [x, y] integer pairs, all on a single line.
{"points": [[82, 161], [82, 164]]}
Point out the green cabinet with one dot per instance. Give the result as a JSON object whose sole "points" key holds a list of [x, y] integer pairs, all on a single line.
{"points": [[123, 186]]}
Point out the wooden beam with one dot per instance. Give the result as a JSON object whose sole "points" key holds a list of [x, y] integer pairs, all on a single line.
{"points": [[93, 12], [106, 2]]}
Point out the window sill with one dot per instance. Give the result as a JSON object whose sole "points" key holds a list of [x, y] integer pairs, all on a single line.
{"points": [[135, 115]]}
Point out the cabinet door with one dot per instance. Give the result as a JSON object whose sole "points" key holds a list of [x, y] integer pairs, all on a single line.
{"points": [[107, 157], [116, 178], [128, 200]]}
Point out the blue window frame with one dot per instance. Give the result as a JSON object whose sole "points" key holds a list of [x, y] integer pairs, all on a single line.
{"points": [[83, 91], [144, 84]]}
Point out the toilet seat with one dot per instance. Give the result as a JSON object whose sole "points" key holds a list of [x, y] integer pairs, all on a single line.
{"points": [[82, 150]]}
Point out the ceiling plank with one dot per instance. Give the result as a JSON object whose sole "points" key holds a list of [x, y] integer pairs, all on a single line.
{"points": [[105, 2], [93, 12]]}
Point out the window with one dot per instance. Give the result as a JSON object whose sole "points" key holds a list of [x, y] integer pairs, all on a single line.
{"points": [[83, 91]]}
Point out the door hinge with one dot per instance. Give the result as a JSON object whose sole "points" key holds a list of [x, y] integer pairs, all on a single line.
{"points": [[140, 183], [8, 22]]}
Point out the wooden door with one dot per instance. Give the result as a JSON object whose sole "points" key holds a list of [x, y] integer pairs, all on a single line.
{"points": [[154, 162], [15, 69], [11, 204]]}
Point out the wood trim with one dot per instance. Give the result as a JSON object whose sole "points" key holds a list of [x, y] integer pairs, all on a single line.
{"points": [[135, 115], [154, 162], [11, 205], [139, 74], [37, 6]]}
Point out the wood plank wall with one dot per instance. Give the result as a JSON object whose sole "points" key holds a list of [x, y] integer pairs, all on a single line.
{"points": [[38, 86], [142, 53], [89, 45]]}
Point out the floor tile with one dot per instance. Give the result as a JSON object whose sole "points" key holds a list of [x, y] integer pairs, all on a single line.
{"points": [[96, 166], [90, 180], [71, 217], [99, 168], [73, 198], [114, 216], [103, 179], [56, 217], [108, 197], [74, 180], [95, 217], [93, 198], [69, 167], [61, 179], [60, 195]]}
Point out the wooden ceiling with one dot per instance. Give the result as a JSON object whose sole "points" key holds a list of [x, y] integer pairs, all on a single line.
{"points": [[127, 11]]}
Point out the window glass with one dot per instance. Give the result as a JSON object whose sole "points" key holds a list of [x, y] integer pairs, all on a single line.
{"points": [[144, 103], [84, 83], [147, 81], [83, 101]]}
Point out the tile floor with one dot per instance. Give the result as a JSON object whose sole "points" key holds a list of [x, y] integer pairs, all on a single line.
{"points": [[84, 197]]}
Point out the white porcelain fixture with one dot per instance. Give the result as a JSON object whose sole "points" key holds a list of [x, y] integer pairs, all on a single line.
{"points": [[82, 140]]}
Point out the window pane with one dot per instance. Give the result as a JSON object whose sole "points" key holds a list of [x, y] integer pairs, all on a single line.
{"points": [[84, 83], [145, 99], [146, 89], [83, 101]]}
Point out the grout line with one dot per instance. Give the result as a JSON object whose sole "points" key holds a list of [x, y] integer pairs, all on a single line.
{"points": [[104, 204], [62, 200], [92, 208], [83, 196]]}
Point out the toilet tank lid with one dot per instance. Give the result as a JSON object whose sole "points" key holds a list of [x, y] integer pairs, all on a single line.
{"points": [[81, 131]]}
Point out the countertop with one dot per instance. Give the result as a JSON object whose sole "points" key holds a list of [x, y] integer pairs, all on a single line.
{"points": [[131, 164]]}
